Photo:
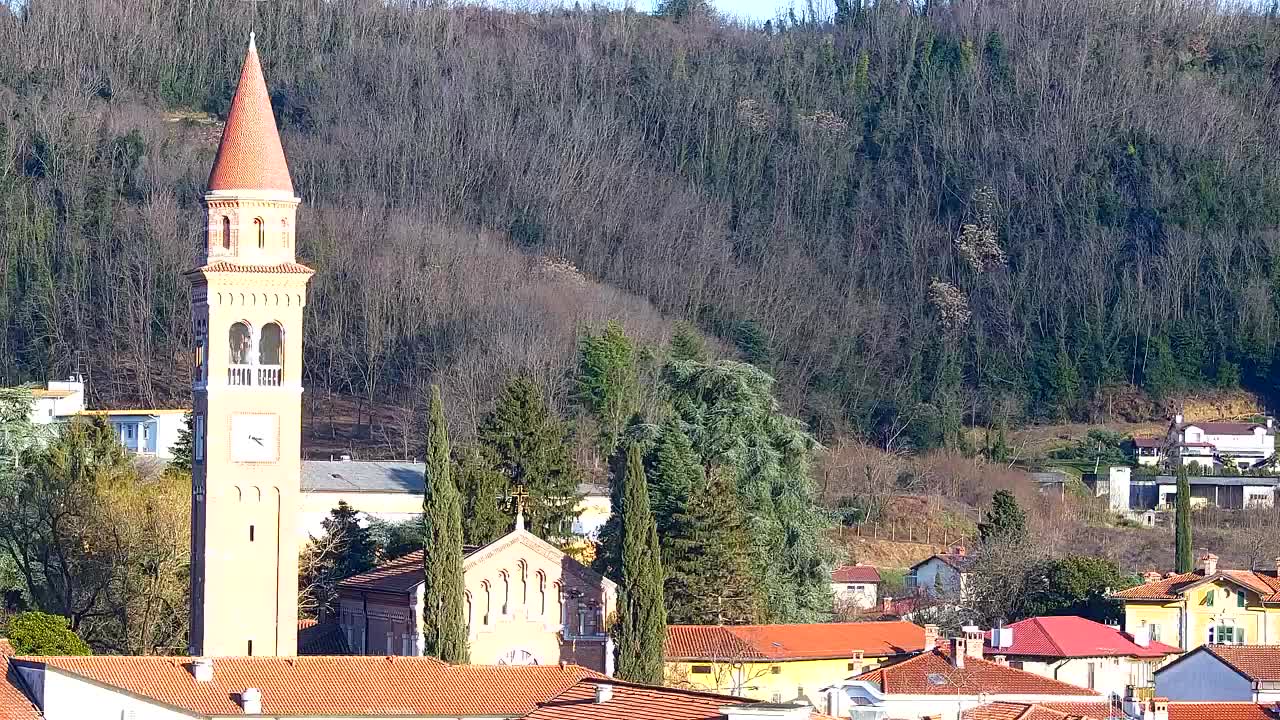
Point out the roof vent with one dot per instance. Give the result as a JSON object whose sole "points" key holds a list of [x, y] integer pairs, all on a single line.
{"points": [[604, 693], [251, 701], [202, 669]]}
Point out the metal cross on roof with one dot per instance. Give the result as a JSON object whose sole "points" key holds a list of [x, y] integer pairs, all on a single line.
{"points": [[520, 497]]}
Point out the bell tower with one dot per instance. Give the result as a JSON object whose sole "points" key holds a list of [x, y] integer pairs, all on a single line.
{"points": [[247, 299]]}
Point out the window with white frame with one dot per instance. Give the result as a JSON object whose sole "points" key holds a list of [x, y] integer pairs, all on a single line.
{"points": [[1226, 632]]}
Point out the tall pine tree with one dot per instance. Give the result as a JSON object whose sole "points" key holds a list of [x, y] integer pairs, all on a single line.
{"points": [[1183, 559], [1005, 522], [443, 622], [483, 489], [642, 623], [527, 442], [706, 552], [606, 383]]}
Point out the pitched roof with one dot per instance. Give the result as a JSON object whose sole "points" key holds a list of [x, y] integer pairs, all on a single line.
{"points": [[1225, 428], [1171, 587], [792, 642], [1220, 711], [250, 156], [362, 476], [1074, 637], [14, 704], [284, 268], [1148, 442], [327, 686], [1042, 711], [855, 574], [1256, 662], [629, 700], [959, 561], [931, 673], [316, 638]]}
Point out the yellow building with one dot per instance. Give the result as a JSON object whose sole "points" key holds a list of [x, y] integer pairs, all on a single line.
{"points": [[1206, 606], [779, 663]]}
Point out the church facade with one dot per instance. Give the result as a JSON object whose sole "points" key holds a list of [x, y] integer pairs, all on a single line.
{"points": [[247, 300], [526, 603]]}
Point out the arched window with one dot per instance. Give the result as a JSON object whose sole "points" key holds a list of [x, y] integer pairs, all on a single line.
{"points": [[260, 229], [484, 587], [284, 232], [241, 338], [524, 585], [559, 593], [542, 594], [226, 233], [506, 593], [466, 597], [271, 345]]}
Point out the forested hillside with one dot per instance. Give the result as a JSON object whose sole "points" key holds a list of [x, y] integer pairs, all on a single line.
{"points": [[916, 215]]}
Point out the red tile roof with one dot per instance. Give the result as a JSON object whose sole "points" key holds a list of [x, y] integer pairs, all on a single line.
{"points": [[1074, 637], [14, 704], [400, 575], [1225, 428], [913, 677], [1168, 588], [792, 642], [327, 686], [641, 702], [1220, 711], [1256, 662], [855, 574], [1045, 711], [286, 268], [250, 156]]}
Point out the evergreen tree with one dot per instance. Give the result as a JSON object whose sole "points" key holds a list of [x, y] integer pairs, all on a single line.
{"points": [[642, 624], [1004, 522], [529, 445], [732, 418], [676, 471], [37, 633], [1161, 375], [443, 622], [183, 449], [706, 551], [344, 550], [484, 517], [1183, 559], [686, 344], [606, 383]]}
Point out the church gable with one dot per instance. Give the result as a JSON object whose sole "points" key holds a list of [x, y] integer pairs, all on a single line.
{"points": [[524, 543]]}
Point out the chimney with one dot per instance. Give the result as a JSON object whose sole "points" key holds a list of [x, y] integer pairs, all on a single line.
{"points": [[886, 603], [1177, 419], [972, 641], [1153, 576], [957, 652], [604, 693], [1002, 637], [202, 669], [930, 636], [1142, 636], [1158, 709], [1000, 660], [855, 665], [1210, 563], [251, 701]]}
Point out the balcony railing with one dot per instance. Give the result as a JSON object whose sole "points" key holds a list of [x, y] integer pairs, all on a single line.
{"points": [[255, 375]]}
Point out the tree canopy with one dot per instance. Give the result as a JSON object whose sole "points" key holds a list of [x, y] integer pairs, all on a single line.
{"points": [[37, 633]]}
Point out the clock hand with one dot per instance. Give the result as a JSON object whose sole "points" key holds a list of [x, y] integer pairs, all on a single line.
{"points": [[256, 439]]}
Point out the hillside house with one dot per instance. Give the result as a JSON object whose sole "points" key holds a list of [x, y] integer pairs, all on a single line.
{"points": [[147, 432], [1081, 652], [1239, 673], [1241, 444], [944, 575], [855, 586], [1128, 493], [1208, 605]]}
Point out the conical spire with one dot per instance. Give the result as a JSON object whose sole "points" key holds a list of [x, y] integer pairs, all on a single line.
{"points": [[250, 156]]}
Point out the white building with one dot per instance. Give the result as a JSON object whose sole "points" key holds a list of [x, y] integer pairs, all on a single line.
{"points": [[150, 432], [941, 684], [392, 491], [943, 575], [1242, 444], [1081, 652], [1223, 673], [855, 586]]}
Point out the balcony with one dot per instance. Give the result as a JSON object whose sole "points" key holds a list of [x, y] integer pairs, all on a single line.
{"points": [[255, 375]]}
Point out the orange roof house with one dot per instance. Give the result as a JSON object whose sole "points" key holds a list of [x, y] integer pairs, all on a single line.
{"points": [[608, 699]]}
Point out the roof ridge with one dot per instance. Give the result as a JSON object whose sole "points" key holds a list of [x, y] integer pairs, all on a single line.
{"points": [[1048, 636]]}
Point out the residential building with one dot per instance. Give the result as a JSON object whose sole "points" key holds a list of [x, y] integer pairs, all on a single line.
{"points": [[392, 491], [14, 703], [783, 662], [526, 603], [855, 586], [1149, 451], [150, 432], [943, 682], [58, 400], [944, 575], [1206, 606], [606, 699], [1152, 709], [1242, 673], [1081, 652], [1132, 494], [247, 300], [1243, 445], [315, 688]]}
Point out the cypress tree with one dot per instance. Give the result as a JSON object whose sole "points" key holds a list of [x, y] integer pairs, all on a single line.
{"points": [[528, 444], [642, 625], [1182, 526], [707, 554], [443, 622]]}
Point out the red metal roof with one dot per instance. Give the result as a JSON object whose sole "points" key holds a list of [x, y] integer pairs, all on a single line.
{"points": [[916, 676], [329, 686], [792, 642], [250, 156], [855, 574], [1074, 637]]}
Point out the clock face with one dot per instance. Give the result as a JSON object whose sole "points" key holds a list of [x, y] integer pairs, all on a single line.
{"points": [[254, 438]]}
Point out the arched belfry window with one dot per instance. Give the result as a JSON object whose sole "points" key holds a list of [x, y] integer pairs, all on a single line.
{"points": [[271, 345], [226, 233], [284, 232], [241, 338], [260, 229]]}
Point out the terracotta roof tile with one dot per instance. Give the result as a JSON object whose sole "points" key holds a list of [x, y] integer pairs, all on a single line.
{"points": [[1074, 637], [1172, 587], [642, 702], [1225, 428], [792, 642], [14, 704], [855, 573], [227, 266], [1220, 711], [327, 686], [250, 156], [1046, 711], [912, 676], [1257, 662]]}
